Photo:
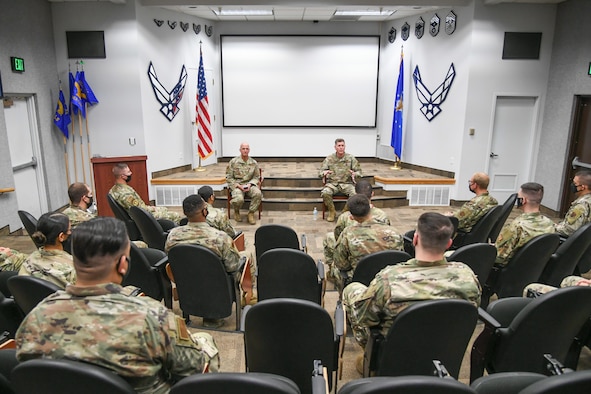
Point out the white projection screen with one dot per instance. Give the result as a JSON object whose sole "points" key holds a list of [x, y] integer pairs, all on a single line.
{"points": [[299, 81]]}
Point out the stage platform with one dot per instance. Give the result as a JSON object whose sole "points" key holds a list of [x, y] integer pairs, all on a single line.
{"points": [[295, 185]]}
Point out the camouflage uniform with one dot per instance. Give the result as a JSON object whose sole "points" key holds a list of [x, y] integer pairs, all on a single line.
{"points": [[345, 220], [340, 180], [358, 241], [77, 215], [55, 266], [523, 228], [127, 197], [11, 260], [398, 286], [135, 337], [218, 219], [240, 172], [569, 281], [578, 214], [469, 214]]}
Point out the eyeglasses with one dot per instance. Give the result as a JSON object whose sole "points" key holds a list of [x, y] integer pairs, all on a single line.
{"points": [[470, 181]]}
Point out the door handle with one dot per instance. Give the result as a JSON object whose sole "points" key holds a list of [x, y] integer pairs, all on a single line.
{"points": [[493, 155]]}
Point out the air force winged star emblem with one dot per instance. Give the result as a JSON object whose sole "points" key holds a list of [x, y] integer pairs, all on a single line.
{"points": [[431, 102], [169, 100]]}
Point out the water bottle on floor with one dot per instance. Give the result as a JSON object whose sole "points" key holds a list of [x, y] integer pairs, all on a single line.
{"points": [[315, 214]]}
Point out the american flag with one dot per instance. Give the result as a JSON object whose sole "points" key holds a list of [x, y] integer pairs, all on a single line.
{"points": [[205, 144]]}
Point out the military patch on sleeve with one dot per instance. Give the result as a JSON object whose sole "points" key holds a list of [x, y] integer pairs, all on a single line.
{"points": [[182, 330]]}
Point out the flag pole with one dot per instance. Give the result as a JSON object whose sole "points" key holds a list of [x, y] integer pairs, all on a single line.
{"points": [[81, 145], [73, 134], [396, 141], [91, 175], [199, 167], [66, 160]]}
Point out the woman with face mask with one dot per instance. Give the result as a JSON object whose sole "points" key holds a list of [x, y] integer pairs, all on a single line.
{"points": [[50, 262]]}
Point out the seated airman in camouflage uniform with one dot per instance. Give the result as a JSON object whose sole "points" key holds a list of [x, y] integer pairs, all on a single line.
{"points": [[139, 339], [428, 276], [50, 262], [365, 188], [216, 218], [524, 227], [540, 288], [471, 212], [579, 212], [80, 200], [365, 237], [11, 260], [127, 197], [243, 177], [339, 170]]}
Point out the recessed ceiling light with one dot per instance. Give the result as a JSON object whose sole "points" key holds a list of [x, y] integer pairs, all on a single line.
{"points": [[364, 12], [231, 12]]}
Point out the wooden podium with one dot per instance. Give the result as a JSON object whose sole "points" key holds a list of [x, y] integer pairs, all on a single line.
{"points": [[102, 169]]}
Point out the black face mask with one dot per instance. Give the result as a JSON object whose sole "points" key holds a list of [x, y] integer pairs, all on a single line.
{"points": [[128, 179], [519, 202], [469, 185], [573, 188]]}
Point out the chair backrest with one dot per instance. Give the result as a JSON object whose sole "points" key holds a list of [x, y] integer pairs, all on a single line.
{"points": [[584, 264], [10, 316], [284, 336], [405, 385], [151, 230], [121, 214], [203, 286], [4, 276], [235, 383], [271, 236], [370, 265], [505, 382], [141, 274], [564, 260], [572, 383], [50, 376], [288, 273], [29, 222], [480, 257], [481, 230], [542, 327], [452, 320], [526, 265], [28, 291], [506, 209]]}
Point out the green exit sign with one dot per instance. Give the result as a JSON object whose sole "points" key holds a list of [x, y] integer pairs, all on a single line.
{"points": [[17, 64]]}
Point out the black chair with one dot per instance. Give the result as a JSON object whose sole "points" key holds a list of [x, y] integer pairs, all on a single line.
{"points": [[572, 383], [405, 385], [7, 363], [505, 382], [147, 270], [452, 320], [11, 316], [565, 259], [121, 214], [150, 229], [289, 273], [481, 230], [525, 267], [4, 276], [519, 331], [584, 264], [52, 376], [29, 222], [284, 336], [370, 265], [28, 291], [480, 257], [235, 383], [271, 236], [203, 286], [506, 209]]}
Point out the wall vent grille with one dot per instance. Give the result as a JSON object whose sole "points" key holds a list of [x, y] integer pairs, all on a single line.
{"points": [[428, 196]]}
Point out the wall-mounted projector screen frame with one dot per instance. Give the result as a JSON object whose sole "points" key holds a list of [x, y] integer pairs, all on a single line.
{"points": [[299, 80]]}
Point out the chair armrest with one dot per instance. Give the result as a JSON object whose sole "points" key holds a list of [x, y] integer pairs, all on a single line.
{"points": [[339, 319], [320, 267], [487, 319], [243, 316], [319, 378], [161, 264], [304, 244], [483, 344], [239, 241]]}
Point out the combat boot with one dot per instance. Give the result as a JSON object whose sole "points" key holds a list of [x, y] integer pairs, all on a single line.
{"points": [[237, 216], [251, 218], [330, 206]]}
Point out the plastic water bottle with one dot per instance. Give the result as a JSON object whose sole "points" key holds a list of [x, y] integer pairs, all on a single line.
{"points": [[315, 213]]}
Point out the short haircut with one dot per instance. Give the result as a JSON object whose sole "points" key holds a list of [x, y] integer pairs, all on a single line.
{"points": [[358, 205], [49, 227], [193, 204], [363, 186], [435, 230], [119, 169], [338, 140], [481, 179], [76, 191], [205, 192], [584, 177], [98, 237], [533, 191]]}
